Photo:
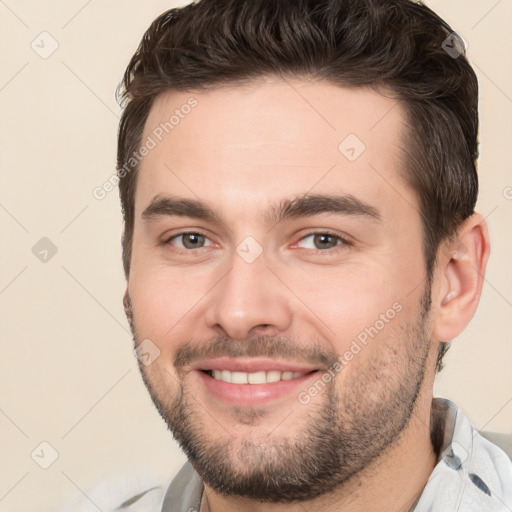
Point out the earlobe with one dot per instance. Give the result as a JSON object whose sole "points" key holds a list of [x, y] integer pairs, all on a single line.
{"points": [[461, 271]]}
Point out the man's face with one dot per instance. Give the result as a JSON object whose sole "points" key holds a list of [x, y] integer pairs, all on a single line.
{"points": [[279, 286]]}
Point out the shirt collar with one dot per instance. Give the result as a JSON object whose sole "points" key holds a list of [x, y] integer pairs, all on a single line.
{"points": [[471, 474]]}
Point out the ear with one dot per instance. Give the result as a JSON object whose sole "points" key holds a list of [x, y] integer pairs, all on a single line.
{"points": [[461, 270]]}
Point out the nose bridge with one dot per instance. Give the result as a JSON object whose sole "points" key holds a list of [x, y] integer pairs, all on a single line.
{"points": [[249, 297]]}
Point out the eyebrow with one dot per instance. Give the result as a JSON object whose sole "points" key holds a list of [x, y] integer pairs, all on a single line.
{"points": [[303, 206]]}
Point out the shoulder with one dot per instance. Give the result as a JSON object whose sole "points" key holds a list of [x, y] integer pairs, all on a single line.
{"points": [[120, 493], [503, 441]]}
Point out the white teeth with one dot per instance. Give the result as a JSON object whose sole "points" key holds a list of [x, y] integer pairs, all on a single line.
{"points": [[239, 378], [256, 377], [273, 376], [225, 376]]}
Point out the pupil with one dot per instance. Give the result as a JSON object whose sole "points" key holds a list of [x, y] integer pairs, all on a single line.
{"points": [[192, 240], [323, 241]]}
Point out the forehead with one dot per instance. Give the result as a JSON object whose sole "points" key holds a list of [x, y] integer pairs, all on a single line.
{"points": [[263, 141]]}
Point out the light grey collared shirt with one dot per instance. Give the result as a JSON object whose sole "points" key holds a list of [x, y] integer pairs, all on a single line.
{"points": [[471, 474]]}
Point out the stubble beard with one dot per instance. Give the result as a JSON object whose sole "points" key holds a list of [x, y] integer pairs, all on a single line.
{"points": [[340, 436]]}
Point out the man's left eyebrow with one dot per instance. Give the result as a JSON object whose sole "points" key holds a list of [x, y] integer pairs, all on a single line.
{"points": [[316, 204]]}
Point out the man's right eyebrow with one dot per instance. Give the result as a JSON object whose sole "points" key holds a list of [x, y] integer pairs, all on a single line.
{"points": [[164, 206]]}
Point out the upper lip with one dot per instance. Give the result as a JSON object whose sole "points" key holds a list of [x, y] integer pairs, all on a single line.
{"points": [[251, 365]]}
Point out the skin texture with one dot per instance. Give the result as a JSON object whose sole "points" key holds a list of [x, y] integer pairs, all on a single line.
{"points": [[364, 438]]}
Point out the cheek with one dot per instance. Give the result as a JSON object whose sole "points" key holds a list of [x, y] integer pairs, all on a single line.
{"points": [[348, 305], [163, 303]]}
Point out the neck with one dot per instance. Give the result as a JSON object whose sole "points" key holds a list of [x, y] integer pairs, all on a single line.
{"points": [[394, 480]]}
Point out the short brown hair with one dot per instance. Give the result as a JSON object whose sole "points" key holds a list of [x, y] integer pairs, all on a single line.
{"points": [[398, 45]]}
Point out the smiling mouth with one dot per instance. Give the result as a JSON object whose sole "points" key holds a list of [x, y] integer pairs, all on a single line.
{"points": [[261, 377]]}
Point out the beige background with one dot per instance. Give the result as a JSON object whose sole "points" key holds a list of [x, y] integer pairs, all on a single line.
{"points": [[67, 373]]}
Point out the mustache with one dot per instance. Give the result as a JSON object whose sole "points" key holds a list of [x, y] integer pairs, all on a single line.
{"points": [[262, 346], [276, 347]]}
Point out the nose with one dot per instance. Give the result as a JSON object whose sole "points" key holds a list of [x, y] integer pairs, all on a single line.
{"points": [[249, 301]]}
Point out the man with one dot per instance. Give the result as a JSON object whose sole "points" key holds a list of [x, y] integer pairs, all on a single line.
{"points": [[298, 186]]}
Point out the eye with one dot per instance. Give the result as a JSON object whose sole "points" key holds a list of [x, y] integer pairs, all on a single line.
{"points": [[322, 241], [189, 240]]}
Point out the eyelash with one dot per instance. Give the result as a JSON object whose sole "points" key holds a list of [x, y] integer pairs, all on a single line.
{"points": [[341, 246], [344, 243]]}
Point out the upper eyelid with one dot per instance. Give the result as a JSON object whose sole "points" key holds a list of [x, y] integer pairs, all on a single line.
{"points": [[345, 240], [326, 232], [167, 239], [195, 231]]}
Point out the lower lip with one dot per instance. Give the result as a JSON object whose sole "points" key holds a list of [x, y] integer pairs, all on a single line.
{"points": [[250, 395]]}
